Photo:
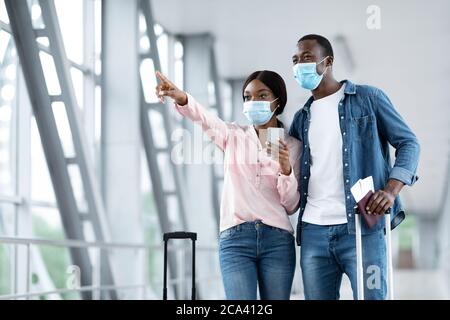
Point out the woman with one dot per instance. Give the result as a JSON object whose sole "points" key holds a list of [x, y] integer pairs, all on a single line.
{"points": [[256, 237]]}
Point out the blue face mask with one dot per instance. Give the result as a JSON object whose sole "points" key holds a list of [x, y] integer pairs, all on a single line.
{"points": [[258, 112], [307, 76]]}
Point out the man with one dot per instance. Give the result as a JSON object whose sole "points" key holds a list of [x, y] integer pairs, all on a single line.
{"points": [[346, 130]]}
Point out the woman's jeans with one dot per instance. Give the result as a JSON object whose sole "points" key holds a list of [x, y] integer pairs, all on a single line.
{"points": [[254, 254]]}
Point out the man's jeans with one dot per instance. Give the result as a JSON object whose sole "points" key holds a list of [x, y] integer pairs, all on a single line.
{"points": [[253, 254], [327, 252]]}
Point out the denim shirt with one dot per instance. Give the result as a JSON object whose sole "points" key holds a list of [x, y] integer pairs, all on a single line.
{"points": [[369, 123]]}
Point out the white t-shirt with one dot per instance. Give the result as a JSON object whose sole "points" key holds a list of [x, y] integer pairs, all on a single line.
{"points": [[326, 198]]}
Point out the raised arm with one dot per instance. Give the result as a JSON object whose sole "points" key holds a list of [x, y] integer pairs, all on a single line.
{"points": [[186, 105]]}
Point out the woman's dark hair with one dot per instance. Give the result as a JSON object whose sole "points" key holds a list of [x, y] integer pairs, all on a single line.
{"points": [[274, 82]]}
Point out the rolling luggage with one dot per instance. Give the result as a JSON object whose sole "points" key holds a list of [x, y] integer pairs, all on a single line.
{"points": [[179, 235], [359, 259]]}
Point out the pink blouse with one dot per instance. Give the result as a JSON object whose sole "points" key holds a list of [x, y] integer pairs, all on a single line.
{"points": [[253, 187]]}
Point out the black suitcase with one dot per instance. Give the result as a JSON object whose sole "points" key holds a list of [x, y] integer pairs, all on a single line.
{"points": [[179, 235]]}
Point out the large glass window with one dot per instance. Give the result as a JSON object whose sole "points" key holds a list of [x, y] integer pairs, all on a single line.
{"points": [[6, 270], [3, 15], [75, 19], [71, 21], [8, 80], [8, 150], [83, 49]]}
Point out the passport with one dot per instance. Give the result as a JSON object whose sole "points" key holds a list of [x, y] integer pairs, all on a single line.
{"points": [[369, 219]]}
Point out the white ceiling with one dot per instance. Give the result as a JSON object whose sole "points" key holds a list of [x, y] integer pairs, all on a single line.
{"points": [[407, 58]]}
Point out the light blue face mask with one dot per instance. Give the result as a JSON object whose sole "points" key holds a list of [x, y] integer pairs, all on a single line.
{"points": [[307, 76], [258, 112]]}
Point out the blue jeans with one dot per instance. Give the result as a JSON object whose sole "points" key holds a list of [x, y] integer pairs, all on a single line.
{"points": [[253, 254], [327, 252]]}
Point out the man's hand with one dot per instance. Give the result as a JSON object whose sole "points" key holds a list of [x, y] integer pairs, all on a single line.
{"points": [[382, 200], [167, 89]]}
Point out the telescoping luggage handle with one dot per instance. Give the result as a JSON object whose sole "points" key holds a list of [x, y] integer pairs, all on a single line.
{"points": [[179, 235], [359, 260]]}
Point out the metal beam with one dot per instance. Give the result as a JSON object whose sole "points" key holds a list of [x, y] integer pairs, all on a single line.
{"points": [[161, 196], [120, 139], [203, 177], [236, 100]]}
